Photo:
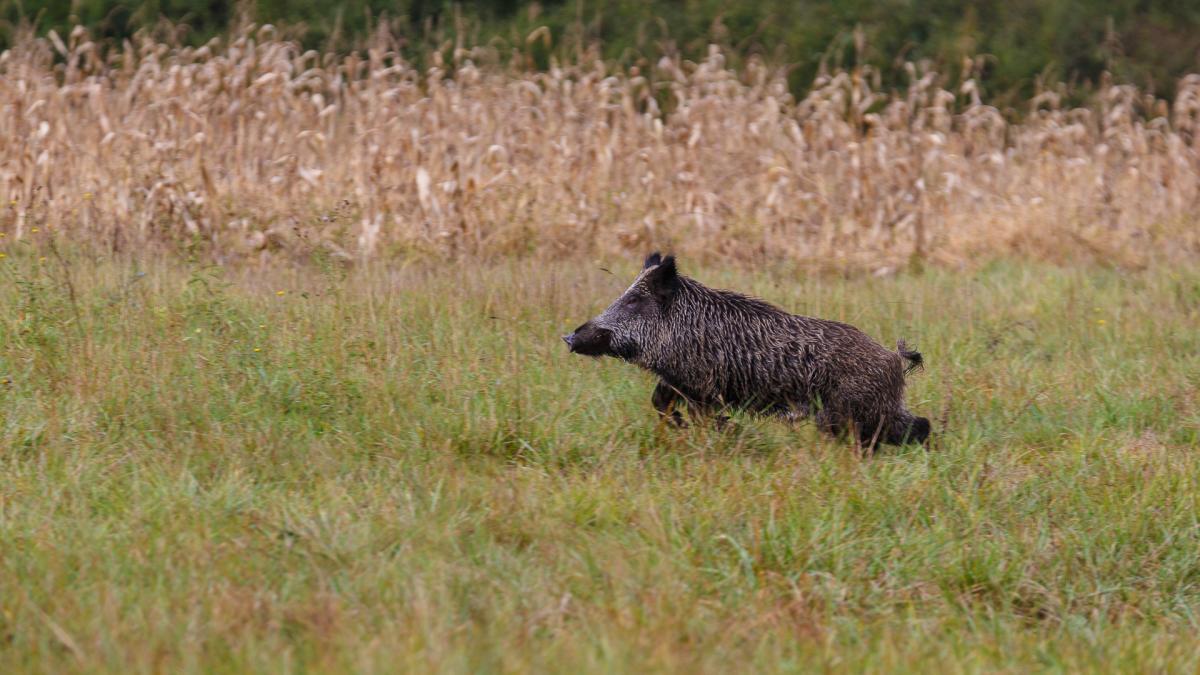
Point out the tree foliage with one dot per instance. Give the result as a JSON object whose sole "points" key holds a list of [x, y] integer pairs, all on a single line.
{"points": [[1148, 42]]}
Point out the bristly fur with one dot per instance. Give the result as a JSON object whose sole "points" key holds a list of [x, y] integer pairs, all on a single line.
{"points": [[715, 349]]}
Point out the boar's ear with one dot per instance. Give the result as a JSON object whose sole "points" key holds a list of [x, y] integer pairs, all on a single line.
{"points": [[652, 260], [663, 280]]}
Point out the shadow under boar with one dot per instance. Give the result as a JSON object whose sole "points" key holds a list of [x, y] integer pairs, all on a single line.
{"points": [[715, 350]]}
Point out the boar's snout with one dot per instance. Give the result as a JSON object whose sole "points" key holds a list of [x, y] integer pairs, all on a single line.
{"points": [[589, 340]]}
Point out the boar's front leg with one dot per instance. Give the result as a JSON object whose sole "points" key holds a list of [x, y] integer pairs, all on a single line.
{"points": [[666, 400]]}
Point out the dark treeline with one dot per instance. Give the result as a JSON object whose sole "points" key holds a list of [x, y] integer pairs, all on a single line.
{"points": [[1150, 43]]}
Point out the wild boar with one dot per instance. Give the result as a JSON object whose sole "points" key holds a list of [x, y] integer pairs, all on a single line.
{"points": [[716, 350]]}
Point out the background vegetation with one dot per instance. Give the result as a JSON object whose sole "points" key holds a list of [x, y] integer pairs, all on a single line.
{"points": [[254, 148], [1150, 43]]}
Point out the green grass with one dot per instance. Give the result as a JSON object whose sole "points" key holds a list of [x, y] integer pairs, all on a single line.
{"points": [[404, 470]]}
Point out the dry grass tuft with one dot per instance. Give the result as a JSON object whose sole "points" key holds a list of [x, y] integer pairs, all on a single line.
{"points": [[255, 147]]}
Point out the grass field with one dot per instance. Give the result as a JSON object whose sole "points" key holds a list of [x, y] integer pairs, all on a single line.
{"points": [[402, 469]]}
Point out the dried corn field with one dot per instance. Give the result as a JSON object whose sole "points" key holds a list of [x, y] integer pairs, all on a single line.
{"points": [[253, 148]]}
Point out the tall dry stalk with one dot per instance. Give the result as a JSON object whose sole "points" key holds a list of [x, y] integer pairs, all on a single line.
{"points": [[240, 146]]}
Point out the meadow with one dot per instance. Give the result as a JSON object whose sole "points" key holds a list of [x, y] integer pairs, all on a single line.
{"points": [[281, 387], [403, 469]]}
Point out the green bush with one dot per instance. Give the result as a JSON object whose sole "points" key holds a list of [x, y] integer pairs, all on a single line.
{"points": [[1148, 42]]}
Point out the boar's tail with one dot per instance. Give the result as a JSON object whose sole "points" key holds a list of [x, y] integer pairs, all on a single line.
{"points": [[915, 361]]}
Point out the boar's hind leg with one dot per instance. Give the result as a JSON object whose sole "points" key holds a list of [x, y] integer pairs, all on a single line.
{"points": [[666, 401], [909, 429], [830, 422]]}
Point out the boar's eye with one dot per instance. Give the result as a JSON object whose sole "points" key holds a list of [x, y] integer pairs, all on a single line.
{"points": [[633, 301]]}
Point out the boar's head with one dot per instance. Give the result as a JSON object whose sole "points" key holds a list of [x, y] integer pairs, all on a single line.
{"points": [[635, 319]]}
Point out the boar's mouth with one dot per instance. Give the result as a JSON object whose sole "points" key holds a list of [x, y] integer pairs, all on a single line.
{"points": [[589, 340]]}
